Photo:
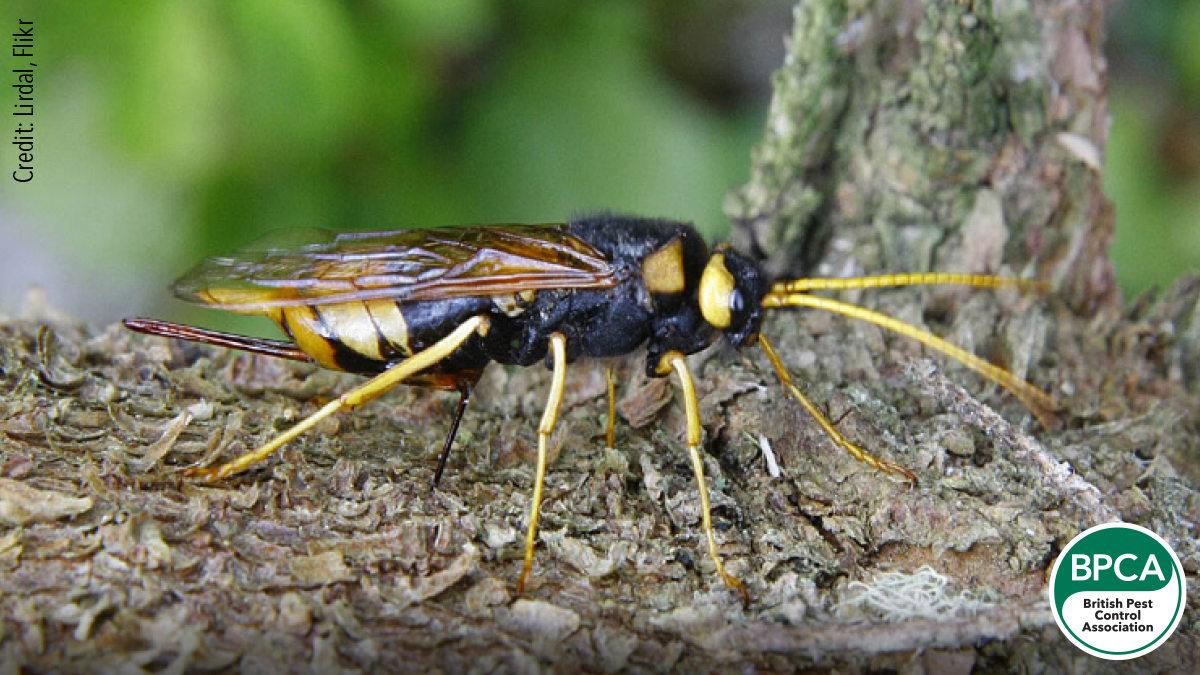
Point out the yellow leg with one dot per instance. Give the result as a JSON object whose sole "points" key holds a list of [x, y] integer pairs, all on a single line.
{"points": [[610, 434], [691, 406], [827, 426], [370, 390], [558, 348]]}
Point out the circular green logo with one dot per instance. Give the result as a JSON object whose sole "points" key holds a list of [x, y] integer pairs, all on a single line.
{"points": [[1117, 591]]}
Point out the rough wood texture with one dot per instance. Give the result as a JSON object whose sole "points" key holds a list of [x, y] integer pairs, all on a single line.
{"points": [[964, 135], [960, 138]]}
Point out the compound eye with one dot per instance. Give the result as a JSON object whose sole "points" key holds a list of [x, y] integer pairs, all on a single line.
{"points": [[736, 303]]}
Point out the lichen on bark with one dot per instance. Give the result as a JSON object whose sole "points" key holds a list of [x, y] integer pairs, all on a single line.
{"points": [[903, 137]]}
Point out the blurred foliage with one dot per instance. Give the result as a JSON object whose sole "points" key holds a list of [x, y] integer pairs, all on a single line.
{"points": [[195, 127], [1152, 165], [172, 130]]}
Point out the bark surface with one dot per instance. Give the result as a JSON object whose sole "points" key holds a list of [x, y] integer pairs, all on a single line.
{"points": [[909, 136]]}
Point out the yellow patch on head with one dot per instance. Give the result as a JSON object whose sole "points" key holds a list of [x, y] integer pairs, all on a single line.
{"points": [[716, 288], [662, 271]]}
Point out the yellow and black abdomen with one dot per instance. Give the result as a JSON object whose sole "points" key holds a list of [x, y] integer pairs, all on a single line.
{"points": [[370, 335], [363, 302]]}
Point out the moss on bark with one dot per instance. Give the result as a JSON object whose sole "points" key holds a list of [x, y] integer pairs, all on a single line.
{"points": [[953, 136]]}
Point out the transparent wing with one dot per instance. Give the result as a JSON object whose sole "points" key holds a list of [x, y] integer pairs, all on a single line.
{"points": [[403, 265]]}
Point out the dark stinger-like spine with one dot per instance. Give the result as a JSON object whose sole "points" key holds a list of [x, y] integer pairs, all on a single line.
{"points": [[434, 307]]}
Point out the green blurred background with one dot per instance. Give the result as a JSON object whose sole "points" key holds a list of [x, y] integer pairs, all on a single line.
{"points": [[168, 130], [1152, 166]]}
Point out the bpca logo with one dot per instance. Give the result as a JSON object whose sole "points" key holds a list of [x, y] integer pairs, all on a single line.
{"points": [[1117, 591]]}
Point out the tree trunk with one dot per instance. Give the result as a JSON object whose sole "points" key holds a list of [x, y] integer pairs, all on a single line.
{"points": [[962, 137], [955, 136]]}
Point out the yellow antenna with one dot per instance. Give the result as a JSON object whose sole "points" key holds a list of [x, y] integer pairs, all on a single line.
{"points": [[827, 426], [894, 280], [788, 294]]}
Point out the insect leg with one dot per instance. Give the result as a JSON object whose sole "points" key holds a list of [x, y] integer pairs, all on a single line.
{"points": [[369, 391], [464, 387], [827, 426], [610, 433], [691, 406], [558, 347]]}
